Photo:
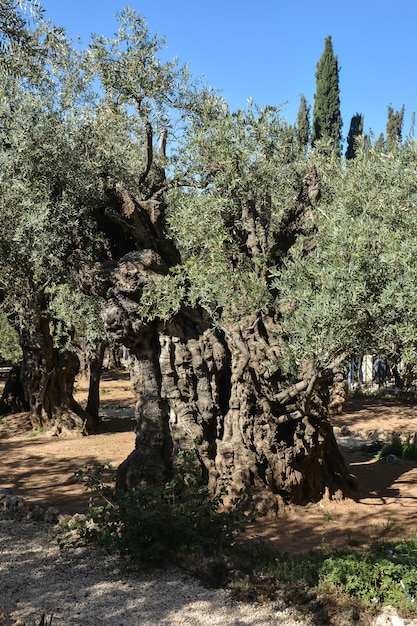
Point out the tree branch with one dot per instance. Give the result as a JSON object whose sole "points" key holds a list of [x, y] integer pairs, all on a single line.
{"points": [[149, 152], [295, 220], [309, 384], [162, 144], [256, 236]]}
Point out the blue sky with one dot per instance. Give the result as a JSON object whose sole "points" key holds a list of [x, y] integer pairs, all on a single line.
{"points": [[267, 50]]}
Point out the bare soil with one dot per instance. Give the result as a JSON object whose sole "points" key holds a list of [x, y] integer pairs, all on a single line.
{"points": [[41, 468]]}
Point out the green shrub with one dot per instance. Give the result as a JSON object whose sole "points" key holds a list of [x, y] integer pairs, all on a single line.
{"points": [[153, 525], [362, 579], [360, 576], [399, 447]]}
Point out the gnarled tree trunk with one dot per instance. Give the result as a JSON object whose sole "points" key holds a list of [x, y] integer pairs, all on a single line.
{"points": [[13, 397], [151, 461], [48, 375], [214, 390], [95, 367]]}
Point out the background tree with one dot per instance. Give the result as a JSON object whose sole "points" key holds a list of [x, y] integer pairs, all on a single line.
{"points": [[47, 194], [79, 328], [394, 128], [12, 399], [10, 351], [352, 293], [355, 131], [303, 127], [327, 119], [379, 145]]}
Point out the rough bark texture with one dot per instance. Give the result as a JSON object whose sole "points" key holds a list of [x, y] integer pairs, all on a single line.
{"points": [[95, 367], [214, 389], [13, 396], [47, 376]]}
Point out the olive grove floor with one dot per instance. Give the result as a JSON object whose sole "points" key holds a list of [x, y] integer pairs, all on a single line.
{"points": [[41, 468]]}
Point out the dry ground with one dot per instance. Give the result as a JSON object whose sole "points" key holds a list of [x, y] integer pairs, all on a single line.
{"points": [[38, 467]]}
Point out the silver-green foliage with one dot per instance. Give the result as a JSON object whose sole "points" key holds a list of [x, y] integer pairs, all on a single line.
{"points": [[76, 317], [232, 161], [9, 341], [355, 291], [60, 138], [46, 184]]}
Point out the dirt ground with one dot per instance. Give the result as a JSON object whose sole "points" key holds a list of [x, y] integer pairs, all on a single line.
{"points": [[40, 469]]}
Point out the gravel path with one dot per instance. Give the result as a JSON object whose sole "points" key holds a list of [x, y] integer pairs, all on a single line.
{"points": [[82, 586]]}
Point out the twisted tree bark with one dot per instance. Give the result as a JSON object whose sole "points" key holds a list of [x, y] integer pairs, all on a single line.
{"points": [[47, 375], [215, 390]]}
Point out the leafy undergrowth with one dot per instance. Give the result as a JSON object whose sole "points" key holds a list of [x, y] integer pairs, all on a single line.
{"points": [[181, 524], [359, 581], [153, 526], [400, 446]]}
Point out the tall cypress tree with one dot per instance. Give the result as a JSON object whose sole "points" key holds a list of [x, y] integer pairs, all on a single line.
{"points": [[303, 126], [379, 145], [355, 131], [327, 119], [394, 127]]}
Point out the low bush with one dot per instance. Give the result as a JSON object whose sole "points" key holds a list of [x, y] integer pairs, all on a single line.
{"points": [[153, 525], [401, 447], [385, 574], [371, 578]]}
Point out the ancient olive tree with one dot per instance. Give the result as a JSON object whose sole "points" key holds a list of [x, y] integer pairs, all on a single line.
{"points": [[46, 197], [200, 206]]}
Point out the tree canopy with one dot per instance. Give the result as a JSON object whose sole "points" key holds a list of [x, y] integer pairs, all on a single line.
{"points": [[352, 293], [71, 137], [240, 268]]}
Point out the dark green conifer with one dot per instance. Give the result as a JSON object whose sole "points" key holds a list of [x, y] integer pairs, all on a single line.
{"points": [[394, 127], [303, 126], [355, 131], [379, 145], [327, 119]]}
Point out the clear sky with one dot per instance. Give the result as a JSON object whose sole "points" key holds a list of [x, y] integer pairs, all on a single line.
{"points": [[268, 50]]}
